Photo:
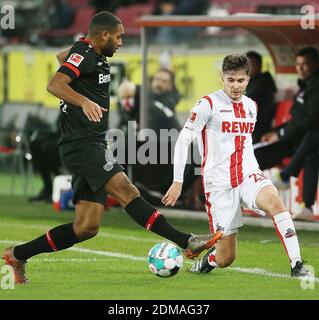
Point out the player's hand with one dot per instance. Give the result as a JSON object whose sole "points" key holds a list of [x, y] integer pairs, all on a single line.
{"points": [[92, 110], [270, 137], [172, 194]]}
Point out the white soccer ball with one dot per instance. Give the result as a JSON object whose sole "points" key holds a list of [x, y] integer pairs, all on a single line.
{"points": [[165, 259]]}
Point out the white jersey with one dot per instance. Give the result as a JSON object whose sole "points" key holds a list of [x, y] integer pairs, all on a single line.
{"points": [[223, 129]]}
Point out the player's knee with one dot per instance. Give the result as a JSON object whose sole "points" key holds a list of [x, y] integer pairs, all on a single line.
{"points": [[274, 204], [85, 232], [225, 260], [127, 193]]}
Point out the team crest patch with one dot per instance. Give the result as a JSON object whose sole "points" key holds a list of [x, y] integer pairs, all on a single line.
{"points": [[290, 233], [192, 116], [75, 59]]}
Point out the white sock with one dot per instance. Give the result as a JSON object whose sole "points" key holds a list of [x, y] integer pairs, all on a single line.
{"points": [[212, 259], [286, 230]]}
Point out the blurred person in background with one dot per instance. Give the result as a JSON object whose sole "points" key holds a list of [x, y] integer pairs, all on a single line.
{"points": [[46, 159], [128, 106], [59, 13], [307, 158], [262, 89], [284, 140]]}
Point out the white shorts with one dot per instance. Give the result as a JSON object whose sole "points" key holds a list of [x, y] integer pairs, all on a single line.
{"points": [[224, 206]]}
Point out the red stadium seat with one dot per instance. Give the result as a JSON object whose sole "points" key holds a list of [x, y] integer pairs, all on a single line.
{"points": [[130, 14], [282, 113]]}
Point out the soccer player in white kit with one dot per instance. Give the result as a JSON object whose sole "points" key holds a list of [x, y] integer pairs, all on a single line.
{"points": [[223, 122]]}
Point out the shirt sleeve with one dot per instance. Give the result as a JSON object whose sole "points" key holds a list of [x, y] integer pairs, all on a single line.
{"points": [[79, 61], [199, 116], [185, 138], [195, 123]]}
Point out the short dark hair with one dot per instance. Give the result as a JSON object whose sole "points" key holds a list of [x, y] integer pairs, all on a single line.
{"points": [[170, 73], [255, 56], [310, 52], [104, 21], [236, 62]]}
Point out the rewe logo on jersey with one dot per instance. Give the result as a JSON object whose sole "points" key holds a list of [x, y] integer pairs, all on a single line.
{"points": [[104, 78], [238, 127]]}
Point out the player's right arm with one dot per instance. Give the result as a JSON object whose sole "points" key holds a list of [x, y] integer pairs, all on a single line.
{"points": [[61, 56], [78, 61], [59, 86], [195, 123]]}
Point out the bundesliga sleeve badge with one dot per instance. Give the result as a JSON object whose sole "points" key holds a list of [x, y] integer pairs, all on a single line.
{"points": [[192, 116], [75, 59]]}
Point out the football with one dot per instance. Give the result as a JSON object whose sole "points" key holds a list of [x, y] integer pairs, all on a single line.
{"points": [[165, 259]]}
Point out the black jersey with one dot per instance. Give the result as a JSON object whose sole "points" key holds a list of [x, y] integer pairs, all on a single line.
{"points": [[90, 74]]}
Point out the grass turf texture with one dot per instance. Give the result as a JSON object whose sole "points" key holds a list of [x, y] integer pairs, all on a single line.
{"points": [[107, 273]]}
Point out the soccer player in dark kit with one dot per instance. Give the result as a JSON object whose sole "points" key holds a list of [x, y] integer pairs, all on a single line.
{"points": [[82, 84]]}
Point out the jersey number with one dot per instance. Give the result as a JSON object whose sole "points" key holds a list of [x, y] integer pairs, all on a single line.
{"points": [[257, 177]]}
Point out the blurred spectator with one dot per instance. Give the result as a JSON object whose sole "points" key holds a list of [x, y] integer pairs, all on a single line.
{"points": [[170, 35], [284, 140], [129, 104], [262, 90], [163, 99], [46, 159], [307, 158], [60, 14]]}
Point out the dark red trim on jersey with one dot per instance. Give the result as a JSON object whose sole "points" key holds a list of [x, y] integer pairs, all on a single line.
{"points": [[209, 213], [236, 162], [51, 242], [233, 177], [85, 40], [242, 110], [152, 219], [208, 98], [240, 175], [72, 67], [236, 110]]}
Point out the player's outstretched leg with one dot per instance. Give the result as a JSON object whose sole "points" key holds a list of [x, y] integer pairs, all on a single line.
{"points": [[221, 255], [122, 189], [269, 201], [88, 217]]}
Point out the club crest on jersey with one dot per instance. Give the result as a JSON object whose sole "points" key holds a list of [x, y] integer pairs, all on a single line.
{"points": [[75, 59], [192, 116], [251, 113], [290, 233]]}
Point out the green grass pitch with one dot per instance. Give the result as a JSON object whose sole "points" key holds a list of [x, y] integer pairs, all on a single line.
{"points": [[113, 265]]}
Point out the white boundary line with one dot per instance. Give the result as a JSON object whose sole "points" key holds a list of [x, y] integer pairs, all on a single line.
{"points": [[256, 271]]}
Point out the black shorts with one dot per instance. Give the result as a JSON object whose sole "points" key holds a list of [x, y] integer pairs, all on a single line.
{"points": [[91, 167]]}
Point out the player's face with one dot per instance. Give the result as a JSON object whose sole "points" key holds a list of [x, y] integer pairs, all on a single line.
{"points": [[113, 42], [162, 82], [304, 67], [235, 83]]}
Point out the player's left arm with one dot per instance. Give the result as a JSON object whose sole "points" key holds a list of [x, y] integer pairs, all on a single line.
{"points": [[61, 55]]}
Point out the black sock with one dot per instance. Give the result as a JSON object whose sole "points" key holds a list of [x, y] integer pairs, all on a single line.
{"points": [[148, 217], [59, 238]]}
